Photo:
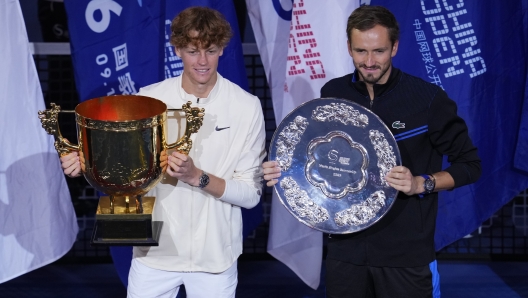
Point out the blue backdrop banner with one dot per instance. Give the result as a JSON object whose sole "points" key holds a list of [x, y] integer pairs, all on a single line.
{"points": [[477, 52], [119, 46]]}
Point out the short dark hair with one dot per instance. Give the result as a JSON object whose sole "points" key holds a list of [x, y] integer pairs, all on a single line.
{"points": [[366, 17], [211, 26]]}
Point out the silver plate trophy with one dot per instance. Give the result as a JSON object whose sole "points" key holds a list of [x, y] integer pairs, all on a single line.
{"points": [[334, 155]]}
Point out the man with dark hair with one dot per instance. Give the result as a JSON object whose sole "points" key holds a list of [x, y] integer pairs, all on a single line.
{"points": [[200, 196], [396, 256]]}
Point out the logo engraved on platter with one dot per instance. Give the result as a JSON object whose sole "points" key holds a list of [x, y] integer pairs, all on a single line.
{"points": [[344, 161], [332, 155]]}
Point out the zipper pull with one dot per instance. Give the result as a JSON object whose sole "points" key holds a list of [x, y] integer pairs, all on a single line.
{"points": [[197, 100]]}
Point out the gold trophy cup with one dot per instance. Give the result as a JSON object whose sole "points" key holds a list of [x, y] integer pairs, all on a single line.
{"points": [[121, 140]]}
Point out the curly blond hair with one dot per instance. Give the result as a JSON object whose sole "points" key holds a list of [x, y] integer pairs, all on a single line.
{"points": [[201, 27]]}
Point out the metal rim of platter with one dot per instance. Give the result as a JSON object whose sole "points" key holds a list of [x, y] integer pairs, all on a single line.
{"points": [[334, 155]]}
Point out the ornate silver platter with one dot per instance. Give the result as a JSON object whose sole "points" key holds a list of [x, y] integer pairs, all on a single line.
{"points": [[334, 155]]}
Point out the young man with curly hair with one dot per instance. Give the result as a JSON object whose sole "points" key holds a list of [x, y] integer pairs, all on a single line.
{"points": [[200, 197]]}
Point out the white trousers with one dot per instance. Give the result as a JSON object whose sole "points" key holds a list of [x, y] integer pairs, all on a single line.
{"points": [[146, 282]]}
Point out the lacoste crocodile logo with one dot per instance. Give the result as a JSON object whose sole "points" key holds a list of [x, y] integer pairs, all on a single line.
{"points": [[398, 125], [221, 128]]}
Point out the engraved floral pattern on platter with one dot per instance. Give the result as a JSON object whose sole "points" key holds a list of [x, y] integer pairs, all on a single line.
{"points": [[288, 138], [340, 112], [300, 203], [360, 214], [385, 153]]}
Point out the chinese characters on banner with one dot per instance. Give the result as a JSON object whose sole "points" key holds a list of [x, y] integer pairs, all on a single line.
{"points": [[475, 51]]}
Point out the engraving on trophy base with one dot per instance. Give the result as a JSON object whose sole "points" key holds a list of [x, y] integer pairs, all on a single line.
{"points": [[125, 226]]}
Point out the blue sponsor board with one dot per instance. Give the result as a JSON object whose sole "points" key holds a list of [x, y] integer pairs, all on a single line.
{"points": [[477, 52]]}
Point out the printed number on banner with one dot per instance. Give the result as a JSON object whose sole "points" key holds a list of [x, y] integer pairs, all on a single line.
{"points": [[105, 7], [102, 59]]}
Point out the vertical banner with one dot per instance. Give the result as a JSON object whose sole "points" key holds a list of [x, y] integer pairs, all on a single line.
{"points": [[302, 46], [317, 49], [119, 46], [270, 21], [37, 221], [477, 52], [521, 152], [116, 45]]}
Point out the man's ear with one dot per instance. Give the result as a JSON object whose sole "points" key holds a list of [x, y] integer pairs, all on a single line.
{"points": [[177, 51], [395, 48]]}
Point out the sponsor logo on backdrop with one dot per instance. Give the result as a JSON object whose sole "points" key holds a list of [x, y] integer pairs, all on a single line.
{"points": [[453, 49], [283, 14], [303, 53]]}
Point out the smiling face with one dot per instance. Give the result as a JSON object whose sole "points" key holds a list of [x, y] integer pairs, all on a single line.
{"points": [[199, 68], [372, 52]]}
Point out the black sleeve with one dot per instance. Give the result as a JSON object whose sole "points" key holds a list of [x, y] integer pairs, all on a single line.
{"points": [[324, 91], [449, 135]]}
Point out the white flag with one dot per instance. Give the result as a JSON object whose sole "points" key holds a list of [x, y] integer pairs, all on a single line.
{"points": [[302, 46], [37, 220], [270, 21]]}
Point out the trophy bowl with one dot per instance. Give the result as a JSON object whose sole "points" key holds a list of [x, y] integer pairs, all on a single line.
{"points": [[121, 140]]}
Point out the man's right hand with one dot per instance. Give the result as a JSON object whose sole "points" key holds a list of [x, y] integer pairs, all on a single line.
{"points": [[271, 171], [71, 164]]}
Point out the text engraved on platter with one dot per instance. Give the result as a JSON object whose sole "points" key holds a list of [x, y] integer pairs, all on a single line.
{"points": [[301, 204], [362, 213], [288, 138], [385, 153], [340, 112]]}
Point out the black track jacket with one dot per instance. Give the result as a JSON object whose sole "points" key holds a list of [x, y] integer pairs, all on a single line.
{"points": [[426, 127]]}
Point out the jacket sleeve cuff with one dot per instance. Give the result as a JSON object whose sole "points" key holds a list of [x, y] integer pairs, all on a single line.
{"points": [[464, 174], [240, 194]]}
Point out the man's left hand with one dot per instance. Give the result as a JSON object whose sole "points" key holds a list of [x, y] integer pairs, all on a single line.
{"points": [[403, 180], [182, 167]]}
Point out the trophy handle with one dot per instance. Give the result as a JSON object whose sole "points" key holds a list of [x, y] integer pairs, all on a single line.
{"points": [[50, 123], [194, 117]]}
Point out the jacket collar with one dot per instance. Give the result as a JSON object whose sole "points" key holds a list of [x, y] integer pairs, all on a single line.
{"points": [[203, 101], [379, 89]]}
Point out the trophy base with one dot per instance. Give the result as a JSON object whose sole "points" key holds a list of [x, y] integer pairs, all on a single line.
{"points": [[122, 227]]}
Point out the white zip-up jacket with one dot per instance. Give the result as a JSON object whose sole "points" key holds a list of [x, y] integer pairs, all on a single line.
{"points": [[200, 232]]}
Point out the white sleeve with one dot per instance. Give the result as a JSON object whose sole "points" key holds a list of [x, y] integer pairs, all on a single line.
{"points": [[245, 188], [241, 194]]}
